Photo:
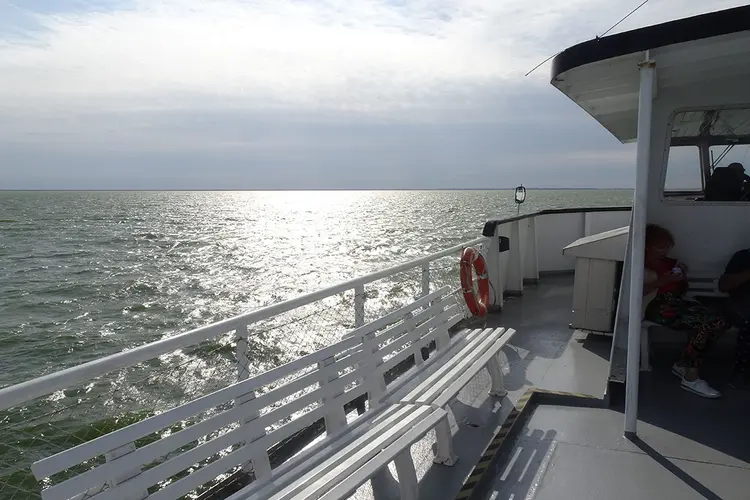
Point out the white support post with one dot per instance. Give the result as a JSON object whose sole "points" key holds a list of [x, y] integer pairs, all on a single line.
{"points": [[359, 306], [258, 463], [495, 369], [407, 476], [445, 454], [514, 280], [425, 279], [243, 368], [494, 269], [117, 478], [376, 383], [531, 262], [638, 240], [335, 419]]}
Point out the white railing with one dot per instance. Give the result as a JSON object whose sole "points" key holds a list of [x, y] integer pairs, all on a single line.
{"points": [[54, 412], [63, 409], [27, 391]]}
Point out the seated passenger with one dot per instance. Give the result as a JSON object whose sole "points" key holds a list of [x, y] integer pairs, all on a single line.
{"points": [[736, 282], [727, 183], [664, 285]]}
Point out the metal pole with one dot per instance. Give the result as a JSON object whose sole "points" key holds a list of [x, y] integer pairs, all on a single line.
{"points": [[359, 305], [637, 240], [425, 279]]}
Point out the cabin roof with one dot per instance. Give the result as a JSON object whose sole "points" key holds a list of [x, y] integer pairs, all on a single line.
{"points": [[601, 75]]}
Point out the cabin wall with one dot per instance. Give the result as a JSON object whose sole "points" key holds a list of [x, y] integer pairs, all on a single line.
{"points": [[556, 231], [706, 234]]}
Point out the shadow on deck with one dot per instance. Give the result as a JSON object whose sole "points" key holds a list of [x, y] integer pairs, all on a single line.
{"points": [[545, 353], [687, 448]]}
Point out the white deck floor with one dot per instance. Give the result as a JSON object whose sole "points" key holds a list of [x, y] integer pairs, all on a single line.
{"points": [[691, 448], [545, 353]]}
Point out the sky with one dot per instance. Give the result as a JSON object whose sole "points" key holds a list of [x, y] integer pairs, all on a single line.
{"points": [[304, 94]]}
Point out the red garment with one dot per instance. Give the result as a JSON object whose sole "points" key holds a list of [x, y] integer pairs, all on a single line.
{"points": [[665, 266]]}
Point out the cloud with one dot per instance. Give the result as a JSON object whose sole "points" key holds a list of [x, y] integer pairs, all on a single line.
{"points": [[340, 54], [262, 77]]}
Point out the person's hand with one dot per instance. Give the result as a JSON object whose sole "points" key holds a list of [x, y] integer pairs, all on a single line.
{"points": [[674, 277], [682, 266]]}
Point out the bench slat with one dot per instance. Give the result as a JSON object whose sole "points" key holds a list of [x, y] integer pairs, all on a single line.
{"points": [[449, 392], [445, 365], [299, 465], [347, 487], [448, 372], [355, 455], [421, 341], [322, 460], [185, 460], [398, 314], [439, 319], [445, 355], [434, 310], [162, 447], [58, 462]]}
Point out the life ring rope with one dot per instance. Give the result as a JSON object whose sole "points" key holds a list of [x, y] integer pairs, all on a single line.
{"points": [[478, 300]]}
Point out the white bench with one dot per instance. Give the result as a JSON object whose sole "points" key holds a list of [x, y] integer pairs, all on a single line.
{"points": [[438, 380], [700, 284], [234, 432]]}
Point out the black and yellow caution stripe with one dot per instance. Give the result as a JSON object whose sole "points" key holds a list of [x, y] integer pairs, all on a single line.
{"points": [[479, 479]]}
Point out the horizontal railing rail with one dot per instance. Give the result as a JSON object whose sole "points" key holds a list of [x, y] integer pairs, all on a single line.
{"points": [[491, 224], [27, 391]]}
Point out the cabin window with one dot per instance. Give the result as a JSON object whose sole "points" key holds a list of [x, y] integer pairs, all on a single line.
{"points": [[723, 156], [684, 177], [709, 156]]}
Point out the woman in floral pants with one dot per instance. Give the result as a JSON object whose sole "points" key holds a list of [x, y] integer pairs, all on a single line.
{"points": [[665, 283]]}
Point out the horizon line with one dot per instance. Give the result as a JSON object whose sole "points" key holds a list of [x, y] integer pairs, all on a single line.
{"points": [[308, 189]]}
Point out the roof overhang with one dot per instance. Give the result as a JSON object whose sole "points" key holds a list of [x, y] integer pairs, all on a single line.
{"points": [[602, 76]]}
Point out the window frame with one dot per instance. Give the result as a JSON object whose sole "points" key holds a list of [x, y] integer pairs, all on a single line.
{"points": [[679, 197]]}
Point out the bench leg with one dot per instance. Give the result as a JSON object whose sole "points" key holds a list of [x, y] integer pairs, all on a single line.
{"points": [[407, 476], [496, 374], [645, 354], [445, 455]]}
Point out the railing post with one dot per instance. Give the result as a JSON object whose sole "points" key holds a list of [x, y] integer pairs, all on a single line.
{"points": [[515, 269], [259, 464], [243, 369], [531, 263], [359, 305], [425, 279], [497, 265]]}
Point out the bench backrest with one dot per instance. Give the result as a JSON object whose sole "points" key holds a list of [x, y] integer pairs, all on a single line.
{"points": [[704, 284], [231, 427], [413, 328]]}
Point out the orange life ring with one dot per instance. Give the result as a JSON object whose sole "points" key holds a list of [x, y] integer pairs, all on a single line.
{"points": [[476, 302]]}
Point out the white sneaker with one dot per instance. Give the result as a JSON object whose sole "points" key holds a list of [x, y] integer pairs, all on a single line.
{"points": [[701, 388], [679, 370]]}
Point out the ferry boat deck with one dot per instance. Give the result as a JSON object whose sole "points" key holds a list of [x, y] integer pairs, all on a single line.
{"points": [[567, 446], [584, 416]]}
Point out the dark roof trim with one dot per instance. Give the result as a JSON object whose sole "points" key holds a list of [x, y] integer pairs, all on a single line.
{"points": [[718, 23]]}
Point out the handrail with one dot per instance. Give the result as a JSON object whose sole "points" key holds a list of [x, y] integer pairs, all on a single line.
{"points": [[491, 224], [46, 384]]}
